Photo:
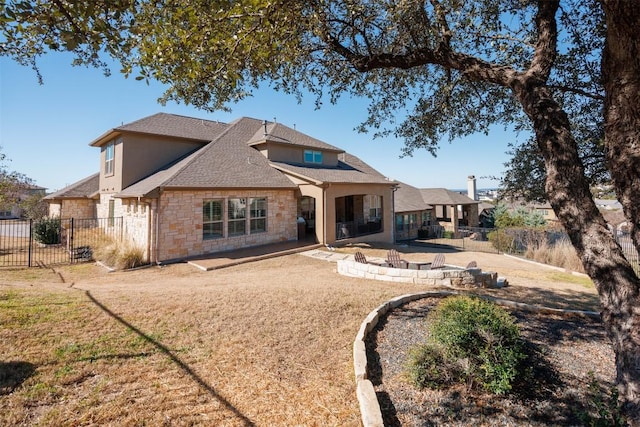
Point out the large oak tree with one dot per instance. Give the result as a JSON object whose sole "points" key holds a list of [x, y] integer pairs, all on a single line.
{"points": [[568, 70]]}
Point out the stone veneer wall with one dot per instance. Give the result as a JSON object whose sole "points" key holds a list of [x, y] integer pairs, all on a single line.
{"points": [[72, 208], [180, 222], [136, 224], [455, 277], [54, 209]]}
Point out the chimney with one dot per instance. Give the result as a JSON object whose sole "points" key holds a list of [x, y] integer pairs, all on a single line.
{"points": [[471, 187]]}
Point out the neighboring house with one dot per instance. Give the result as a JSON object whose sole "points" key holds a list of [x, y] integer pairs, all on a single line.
{"points": [[451, 209], [77, 200], [424, 208], [411, 211], [485, 214], [13, 210], [187, 187]]}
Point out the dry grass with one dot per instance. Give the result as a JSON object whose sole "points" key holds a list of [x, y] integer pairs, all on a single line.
{"points": [[266, 343], [561, 254]]}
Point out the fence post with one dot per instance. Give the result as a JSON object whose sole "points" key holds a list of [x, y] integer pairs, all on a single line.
{"points": [[30, 242], [70, 244]]}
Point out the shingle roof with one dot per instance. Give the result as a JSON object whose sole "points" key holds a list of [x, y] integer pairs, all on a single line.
{"points": [[171, 125], [409, 199], [85, 188], [226, 162], [442, 196], [350, 170], [278, 133]]}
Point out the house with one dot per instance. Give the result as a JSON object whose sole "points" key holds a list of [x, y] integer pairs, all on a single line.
{"points": [[430, 208], [77, 200], [412, 213], [12, 209], [187, 187], [451, 209]]}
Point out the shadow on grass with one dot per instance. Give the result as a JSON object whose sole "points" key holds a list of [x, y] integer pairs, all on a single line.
{"points": [[12, 374], [186, 368]]}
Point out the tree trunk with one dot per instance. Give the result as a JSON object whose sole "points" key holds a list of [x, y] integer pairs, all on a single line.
{"points": [[602, 258], [621, 78]]}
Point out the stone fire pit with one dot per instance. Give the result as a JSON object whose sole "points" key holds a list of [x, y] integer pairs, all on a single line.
{"points": [[420, 273]]}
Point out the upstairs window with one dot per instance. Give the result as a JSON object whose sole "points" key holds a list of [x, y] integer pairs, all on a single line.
{"points": [[109, 154], [311, 156]]}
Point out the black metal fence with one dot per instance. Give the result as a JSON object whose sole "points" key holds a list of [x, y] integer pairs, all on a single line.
{"points": [[51, 241], [516, 241]]}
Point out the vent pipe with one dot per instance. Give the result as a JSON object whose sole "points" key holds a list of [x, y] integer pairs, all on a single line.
{"points": [[264, 122]]}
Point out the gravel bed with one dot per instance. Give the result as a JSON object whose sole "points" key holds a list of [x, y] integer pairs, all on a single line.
{"points": [[571, 351]]}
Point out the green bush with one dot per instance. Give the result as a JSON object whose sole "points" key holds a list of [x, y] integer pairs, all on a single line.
{"points": [[501, 240], [473, 341], [47, 231]]}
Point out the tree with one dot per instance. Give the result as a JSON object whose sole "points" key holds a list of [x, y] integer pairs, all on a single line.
{"points": [[13, 186], [455, 66]]}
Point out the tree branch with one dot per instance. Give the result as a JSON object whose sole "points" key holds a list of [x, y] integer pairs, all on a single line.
{"points": [[545, 52]]}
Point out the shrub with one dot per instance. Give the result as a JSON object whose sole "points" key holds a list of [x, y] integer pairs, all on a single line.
{"points": [[119, 255], [47, 231], [602, 406], [129, 257], [501, 240], [473, 341]]}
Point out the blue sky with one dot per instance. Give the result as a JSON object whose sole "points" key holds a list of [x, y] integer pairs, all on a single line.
{"points": [[45, 129]]}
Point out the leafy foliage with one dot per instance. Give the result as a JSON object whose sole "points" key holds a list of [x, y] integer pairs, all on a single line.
{"points": [[504, 217], [473, 341], [13, 186], [48, 231]]}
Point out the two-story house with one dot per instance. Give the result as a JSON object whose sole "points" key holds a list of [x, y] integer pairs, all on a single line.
{"points": [[187, 187]]}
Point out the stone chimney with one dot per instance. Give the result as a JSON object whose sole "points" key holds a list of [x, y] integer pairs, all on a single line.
{"points": [[471, 187]]}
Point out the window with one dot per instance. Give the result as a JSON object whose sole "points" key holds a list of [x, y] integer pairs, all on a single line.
{"points": [[236, 216], [312, 156], [258, 215], [109, 153], [212, 219], [375, 207]]}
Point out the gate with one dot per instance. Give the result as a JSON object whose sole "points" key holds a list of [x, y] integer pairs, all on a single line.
{"points": [[51, 241]]}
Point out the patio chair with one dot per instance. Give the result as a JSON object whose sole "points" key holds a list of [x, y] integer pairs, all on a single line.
{"points": [[359, 257], [394, 260], [472, 264], [438, 261]]}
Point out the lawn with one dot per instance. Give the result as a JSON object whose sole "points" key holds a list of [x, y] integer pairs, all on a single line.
{"points": [[265, 343]]}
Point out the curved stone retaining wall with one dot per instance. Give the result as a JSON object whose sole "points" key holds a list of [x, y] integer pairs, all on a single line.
{"points": [[450, 276]]}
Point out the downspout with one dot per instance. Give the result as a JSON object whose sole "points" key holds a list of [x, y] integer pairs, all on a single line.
{"points": [[149, 216], [394, 188], [324, 214], [156, 244]]}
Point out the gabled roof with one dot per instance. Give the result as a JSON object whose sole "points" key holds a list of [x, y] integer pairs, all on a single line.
{"points": [[85, 188], [170, 125], [281, 134], [349, 170], [225, 162], [409, 199], [442, 196]]}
